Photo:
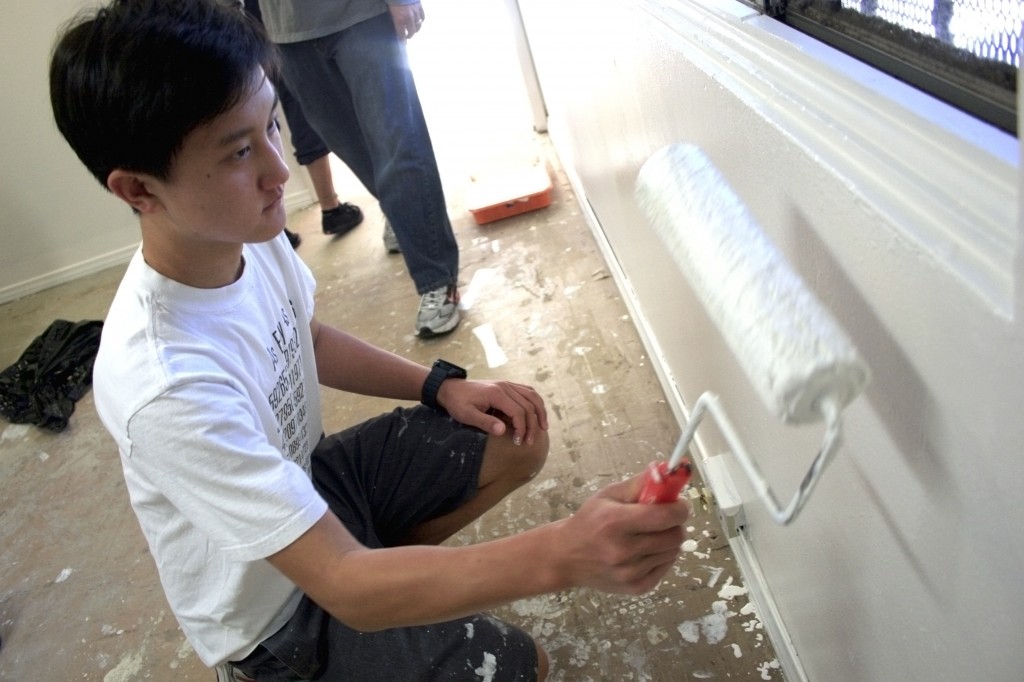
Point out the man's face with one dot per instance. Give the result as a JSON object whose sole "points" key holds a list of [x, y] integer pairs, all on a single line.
{"points": [[227, 181]]}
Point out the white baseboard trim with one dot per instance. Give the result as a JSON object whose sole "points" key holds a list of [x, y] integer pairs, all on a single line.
{"points": [[295, 201], [66, 274], [754, 580]]}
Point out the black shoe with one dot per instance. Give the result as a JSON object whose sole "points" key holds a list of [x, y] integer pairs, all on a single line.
{"points": [[341, 219], [293, 238]]}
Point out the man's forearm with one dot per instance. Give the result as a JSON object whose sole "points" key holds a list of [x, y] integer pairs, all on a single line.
{"points": [[375, 589], [349, 364], [419, 585]]}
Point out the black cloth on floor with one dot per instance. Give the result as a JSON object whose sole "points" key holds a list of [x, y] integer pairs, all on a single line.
{"points": [[42, 387]]}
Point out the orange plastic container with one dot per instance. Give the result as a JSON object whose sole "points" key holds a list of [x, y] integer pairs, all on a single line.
{"points": [[509, 193]]}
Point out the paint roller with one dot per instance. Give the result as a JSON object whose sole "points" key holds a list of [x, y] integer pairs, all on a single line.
{"points": [[798, 358]]}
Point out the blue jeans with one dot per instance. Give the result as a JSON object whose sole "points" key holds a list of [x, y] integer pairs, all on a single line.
{"points": [[357, 91], [308, 145]]}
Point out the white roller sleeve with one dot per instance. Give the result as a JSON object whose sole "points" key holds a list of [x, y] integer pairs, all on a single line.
{"points": [[789, 345]]}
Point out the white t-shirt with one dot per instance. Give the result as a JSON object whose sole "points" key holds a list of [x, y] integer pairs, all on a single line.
{"points": [[213, 399]]}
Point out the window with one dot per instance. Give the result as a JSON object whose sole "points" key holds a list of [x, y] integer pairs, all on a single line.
{"points": [[965, 52]]}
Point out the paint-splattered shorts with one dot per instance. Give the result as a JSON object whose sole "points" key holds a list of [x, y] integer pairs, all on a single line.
{"points": [[382, 478]]}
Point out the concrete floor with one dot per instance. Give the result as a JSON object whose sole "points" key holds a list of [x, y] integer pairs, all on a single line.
{"points": [[79, 595]]}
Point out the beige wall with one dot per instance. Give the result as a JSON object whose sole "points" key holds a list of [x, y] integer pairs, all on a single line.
{"points": [[56, 222], [902, 216]]}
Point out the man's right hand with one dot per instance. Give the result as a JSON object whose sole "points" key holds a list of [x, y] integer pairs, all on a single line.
{"points": [[407, 19], [614, 544]]}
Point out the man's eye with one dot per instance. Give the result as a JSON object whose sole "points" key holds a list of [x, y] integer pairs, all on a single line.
{"points": [[275, 126], [243, 152]]}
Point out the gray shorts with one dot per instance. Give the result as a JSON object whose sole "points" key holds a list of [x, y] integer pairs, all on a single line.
{"points": [[382, 478]]}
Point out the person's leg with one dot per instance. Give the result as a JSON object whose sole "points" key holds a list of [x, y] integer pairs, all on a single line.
{"points": [[417, 475], [478, 647], [306, 143], [387, 479], [323, 182], [327, 104], [357, 90], [505, 467], [312, 645], [337, 217]]}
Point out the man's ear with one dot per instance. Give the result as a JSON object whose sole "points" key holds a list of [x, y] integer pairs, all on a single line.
{"points": [[132, 188]]}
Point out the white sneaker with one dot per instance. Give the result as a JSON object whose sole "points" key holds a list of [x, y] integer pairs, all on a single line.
{"points": [[438, 313], [390, 240]]}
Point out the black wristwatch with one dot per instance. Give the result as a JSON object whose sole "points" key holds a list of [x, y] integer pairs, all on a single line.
{"points": [[441, 370]]}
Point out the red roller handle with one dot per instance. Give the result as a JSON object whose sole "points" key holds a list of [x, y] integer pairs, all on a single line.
{"points": [[662, 485]]}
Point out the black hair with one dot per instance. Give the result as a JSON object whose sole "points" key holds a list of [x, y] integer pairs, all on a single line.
{"points": [[129, 81]]}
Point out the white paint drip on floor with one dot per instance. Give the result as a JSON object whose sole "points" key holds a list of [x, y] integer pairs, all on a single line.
{"points": [[656, 634], [541, 487], [754, 623], [14, 432], [636, 658], [713, 626], [495, 355], [539, 608], [533, 328], [64, 575], [126, 670], [183, 653], [690, 545], [766, 668], [729, 590], [481, 278], [716, 573]]}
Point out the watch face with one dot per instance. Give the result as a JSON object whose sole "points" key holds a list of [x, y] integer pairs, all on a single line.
{"points": [[450, 370]]}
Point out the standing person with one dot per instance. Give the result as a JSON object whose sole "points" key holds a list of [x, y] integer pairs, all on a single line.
{"points": [[336, 217], [346, 62], [283, 554]]}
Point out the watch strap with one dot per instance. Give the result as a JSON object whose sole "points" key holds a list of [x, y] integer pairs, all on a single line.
{"points": [[441, 370]]}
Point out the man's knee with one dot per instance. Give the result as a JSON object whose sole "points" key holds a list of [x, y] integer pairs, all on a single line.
{"points": [[512, 464], [527, 459], [539, 452]]}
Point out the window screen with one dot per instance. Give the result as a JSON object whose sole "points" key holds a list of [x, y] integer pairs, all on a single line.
{"points": [[966, 52]]}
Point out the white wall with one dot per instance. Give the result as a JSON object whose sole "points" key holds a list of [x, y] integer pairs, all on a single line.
{"points": [[902, 215], [56, 222]]}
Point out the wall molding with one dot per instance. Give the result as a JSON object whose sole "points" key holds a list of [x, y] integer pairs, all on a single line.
{"points": [[872, 131], [67, 274], [294, 201]]}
